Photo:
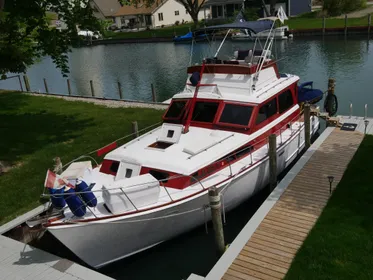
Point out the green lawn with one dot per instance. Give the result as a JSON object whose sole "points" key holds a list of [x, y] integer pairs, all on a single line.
{"points": [[310, 23], [34, 130], [340, 246], [159, 32]]}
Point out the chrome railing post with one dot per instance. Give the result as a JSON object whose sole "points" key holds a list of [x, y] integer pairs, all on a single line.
{"points": [[281, 135], [350, 110], [366, 111], [168, 193], [129, 200]]}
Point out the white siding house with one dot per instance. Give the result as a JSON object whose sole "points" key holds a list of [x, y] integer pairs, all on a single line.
{"points": [[172, 11], [162, 13]]}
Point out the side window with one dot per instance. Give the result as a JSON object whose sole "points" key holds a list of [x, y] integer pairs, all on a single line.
{"points": [[285, 101], [267, 110], [205, 111]]}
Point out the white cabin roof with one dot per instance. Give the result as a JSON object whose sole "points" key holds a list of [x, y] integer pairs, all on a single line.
{"points": [[194, 150]]}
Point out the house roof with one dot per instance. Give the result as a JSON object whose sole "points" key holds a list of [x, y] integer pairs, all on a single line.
{"points": [[140, 9], [221, 2], [107, 7]]}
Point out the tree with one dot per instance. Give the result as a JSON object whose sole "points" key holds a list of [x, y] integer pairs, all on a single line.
{"points": [[26, 34], [337, 7], [273, 7], [191, 6]]}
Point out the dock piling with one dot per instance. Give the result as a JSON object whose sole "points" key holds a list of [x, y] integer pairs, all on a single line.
{"points": [[346, 24], [120, 90], [92, 88], [215, 206], [135, 129], [20, 82], [307, 125], [153, 93], [27, 83], [369, 22], [68, 86], [46, 85], [272, 153]]}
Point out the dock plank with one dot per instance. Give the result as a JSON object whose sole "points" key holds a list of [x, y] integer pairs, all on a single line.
{"points": [[271, 248]]}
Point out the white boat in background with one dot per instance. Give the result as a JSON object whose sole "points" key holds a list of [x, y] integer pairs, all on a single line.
{"points": [[279, 33], [214, 134]]}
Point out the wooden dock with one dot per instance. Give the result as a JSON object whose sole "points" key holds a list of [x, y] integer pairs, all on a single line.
{"points": [[266, 246]]}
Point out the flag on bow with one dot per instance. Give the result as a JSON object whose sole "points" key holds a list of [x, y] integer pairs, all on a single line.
{"points": [[54, 181]]}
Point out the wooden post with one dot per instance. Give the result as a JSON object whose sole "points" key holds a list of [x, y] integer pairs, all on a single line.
{"points": [[331, 86], [323, 24], [20, 82], [272, 153], [92, 88], [307, 125], [153, 94], [46, 86], [120, 91], [215, 206], [68, 86], [369, 22], [135, 129], [27, 84], [345, 24]]}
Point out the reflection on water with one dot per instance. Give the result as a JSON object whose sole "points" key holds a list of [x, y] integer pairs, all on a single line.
{"points": [[137, 66]]}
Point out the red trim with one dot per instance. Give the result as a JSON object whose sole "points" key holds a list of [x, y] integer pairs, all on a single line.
{"points": [[106, 165], [259, 144], [107, 149]]}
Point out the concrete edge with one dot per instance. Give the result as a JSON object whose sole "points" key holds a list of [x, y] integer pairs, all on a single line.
{"points": [[23, 218], [218, 271]]}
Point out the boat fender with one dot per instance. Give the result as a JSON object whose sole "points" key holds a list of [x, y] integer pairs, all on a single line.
{"points": [[87, 195], [74, 202], [57, 198], [195, 78]]}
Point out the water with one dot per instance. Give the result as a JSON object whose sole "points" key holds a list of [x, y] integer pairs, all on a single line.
{"points": [[137, 66]]}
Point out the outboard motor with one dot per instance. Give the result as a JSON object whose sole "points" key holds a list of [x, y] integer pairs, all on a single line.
{"points": [[87, 195], [75, 204]]}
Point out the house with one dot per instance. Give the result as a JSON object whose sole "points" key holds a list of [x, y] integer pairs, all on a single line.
{"points": [[221, 9], [161, 13], [105, 9]]}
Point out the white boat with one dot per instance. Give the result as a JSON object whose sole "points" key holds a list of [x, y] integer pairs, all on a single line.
{"points": [[214, 134], [279, 33]]}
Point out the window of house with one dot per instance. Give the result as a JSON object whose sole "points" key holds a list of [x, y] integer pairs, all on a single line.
{"points": [[205, 111], [217, 11], [186, 12], [176, 13], [267, 110], [160, 16], [285, 101], [236, 114], [175, 110]]}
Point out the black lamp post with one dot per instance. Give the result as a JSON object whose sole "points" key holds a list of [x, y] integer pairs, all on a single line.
{"points": [[331, 179]]}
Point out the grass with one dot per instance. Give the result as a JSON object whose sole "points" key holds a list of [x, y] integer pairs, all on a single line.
{"points": [[159, 32], [36, 129], [312, 23], [341, 243]]}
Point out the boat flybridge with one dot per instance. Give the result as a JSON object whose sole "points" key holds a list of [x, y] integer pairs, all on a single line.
{"points": [[214, 134]]}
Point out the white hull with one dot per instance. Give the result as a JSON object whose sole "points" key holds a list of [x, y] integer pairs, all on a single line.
{"points": [[99, 244]]}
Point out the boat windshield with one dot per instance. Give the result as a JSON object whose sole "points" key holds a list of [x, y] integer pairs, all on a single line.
{"points": [[175, 111], [236, 114]]}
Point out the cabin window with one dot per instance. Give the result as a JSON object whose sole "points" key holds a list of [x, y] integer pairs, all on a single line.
{"points": [[175, 110], [285, 101], [205, 111], [267, 110], [114, 166], [128, 173], [236, 114], [159, 175]]}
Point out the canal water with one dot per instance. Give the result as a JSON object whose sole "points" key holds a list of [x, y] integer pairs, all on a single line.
{"points": [[137, 66]]}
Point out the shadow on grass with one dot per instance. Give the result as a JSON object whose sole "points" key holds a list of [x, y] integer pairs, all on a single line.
{"points": [[25, 133], [11, 100]]}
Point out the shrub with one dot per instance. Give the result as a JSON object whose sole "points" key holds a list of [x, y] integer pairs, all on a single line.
{"points": [[177, 23], [338, 7]]}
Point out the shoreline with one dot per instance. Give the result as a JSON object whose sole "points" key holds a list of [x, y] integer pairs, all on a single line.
{"points": [[353, 30]]}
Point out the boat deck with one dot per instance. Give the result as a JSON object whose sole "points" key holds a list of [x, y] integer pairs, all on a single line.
{"points": [[266, 246]]}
